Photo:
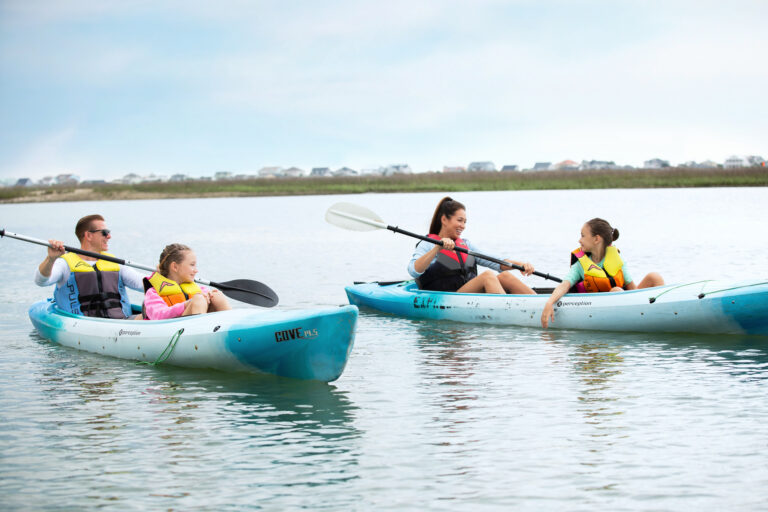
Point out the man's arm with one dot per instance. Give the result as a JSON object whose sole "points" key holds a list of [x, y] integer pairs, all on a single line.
{"points": [[131, 278]]}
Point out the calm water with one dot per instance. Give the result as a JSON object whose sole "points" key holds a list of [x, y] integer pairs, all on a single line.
{"points": [[440, 416]]}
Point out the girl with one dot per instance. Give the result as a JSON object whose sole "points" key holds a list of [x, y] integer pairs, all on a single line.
{"points": [[171, 291], [441, 268], [609, 274]]}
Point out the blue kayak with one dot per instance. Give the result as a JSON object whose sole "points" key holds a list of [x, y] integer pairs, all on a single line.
{"points": [[311, 344], [711, 307]]}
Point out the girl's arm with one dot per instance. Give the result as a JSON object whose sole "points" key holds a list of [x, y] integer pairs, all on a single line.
{"points": [[157, 309], [548, 315]]}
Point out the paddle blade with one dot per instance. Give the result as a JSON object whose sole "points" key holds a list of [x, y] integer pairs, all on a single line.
{"points": [[248, 291], [353, 217]]}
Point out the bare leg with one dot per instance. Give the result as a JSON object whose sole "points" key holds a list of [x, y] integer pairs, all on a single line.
{"points": [[512, 284], [651, 280], [487, 282], [218, 302], [196, 305]]}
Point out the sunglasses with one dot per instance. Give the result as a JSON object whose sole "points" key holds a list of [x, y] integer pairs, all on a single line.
{"points": [[104, 232]]}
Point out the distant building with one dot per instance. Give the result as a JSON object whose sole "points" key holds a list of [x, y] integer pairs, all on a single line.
{"points": [[222, 175], [756, 161], [67, 179], [270, 172], [510, 168], [179, 177], [734, 162], [320, 172], [397, 169], [481, 166], [566, 165], [597, 165], [93, 182], [24, 182], [131, 179], [655, 163], [293, 172], [46, 182], [372, 171], [542, 166], [345, 171], [153, 178]]}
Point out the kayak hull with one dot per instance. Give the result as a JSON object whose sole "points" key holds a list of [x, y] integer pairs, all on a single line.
{"points": [[303, 344], [724, 308]]}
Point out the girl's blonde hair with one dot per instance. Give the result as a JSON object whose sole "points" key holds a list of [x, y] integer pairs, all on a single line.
{"points": [[173, 253]]}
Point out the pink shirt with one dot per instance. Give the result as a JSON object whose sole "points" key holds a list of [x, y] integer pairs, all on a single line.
{"points": [[155, 307]]}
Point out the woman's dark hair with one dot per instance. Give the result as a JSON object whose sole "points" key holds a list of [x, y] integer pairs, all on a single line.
{"points": [[173, 253], [447, 207], [604, 230]]}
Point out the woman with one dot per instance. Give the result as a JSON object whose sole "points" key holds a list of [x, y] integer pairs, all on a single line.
{"points": [[442, 268], [596, 266]]}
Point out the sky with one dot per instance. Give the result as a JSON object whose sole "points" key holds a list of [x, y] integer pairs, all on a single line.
{"points": [[102, 89]]}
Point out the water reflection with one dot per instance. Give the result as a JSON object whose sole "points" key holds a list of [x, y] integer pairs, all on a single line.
{"points": [[185, 430]]}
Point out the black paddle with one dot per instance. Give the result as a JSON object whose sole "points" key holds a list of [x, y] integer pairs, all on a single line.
{"points": [[359, 218], [243, 290]]}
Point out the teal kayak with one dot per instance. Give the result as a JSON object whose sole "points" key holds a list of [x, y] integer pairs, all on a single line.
{"points": [[711, 307], [312, 344]]}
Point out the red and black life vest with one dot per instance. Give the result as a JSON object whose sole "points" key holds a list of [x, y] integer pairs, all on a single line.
{"points": [[450, 270]]}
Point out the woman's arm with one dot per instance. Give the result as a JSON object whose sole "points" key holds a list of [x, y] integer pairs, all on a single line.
{"points": [[548, 315], [423, 256]]}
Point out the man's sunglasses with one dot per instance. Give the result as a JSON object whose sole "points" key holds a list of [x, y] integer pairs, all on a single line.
{"points": [[104, 232]]}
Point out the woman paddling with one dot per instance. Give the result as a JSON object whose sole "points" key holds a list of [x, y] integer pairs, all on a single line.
{"points": [[171, 292], [596, 266], [441, 268]]}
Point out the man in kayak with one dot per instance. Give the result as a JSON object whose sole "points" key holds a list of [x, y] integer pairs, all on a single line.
{"points": [[87, 286]]}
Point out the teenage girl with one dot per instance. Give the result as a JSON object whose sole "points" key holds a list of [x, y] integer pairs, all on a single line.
{"points": [[596, 267], [442, 268], [171, 291]]}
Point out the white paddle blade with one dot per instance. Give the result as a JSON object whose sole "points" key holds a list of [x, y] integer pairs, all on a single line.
{"points": [[353, 217]]}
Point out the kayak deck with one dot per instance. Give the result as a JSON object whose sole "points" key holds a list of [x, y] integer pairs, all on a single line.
{"points": [[713, 307], [306, 344]]}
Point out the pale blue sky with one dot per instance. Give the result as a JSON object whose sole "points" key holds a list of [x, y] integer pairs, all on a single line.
{"points": [[106, 88]]}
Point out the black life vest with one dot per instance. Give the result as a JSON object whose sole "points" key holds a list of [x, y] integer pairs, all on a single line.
{"points": [[450, 270]]}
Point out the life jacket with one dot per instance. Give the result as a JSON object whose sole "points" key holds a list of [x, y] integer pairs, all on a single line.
{"points": [[170, 291], [93, 290], [597, 279], [449, 270]]}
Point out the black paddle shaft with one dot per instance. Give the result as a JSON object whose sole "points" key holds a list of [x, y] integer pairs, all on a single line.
{"points": [[472, 253]]}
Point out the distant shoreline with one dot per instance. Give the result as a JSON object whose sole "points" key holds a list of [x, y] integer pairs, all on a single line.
{"points": [[423, 182]]}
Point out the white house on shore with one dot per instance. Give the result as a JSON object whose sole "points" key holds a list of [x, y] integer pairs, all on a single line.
{"points": [[270, 172], [324, 172], [293, 172], [655, 163], [481, 166], [345, 171]]}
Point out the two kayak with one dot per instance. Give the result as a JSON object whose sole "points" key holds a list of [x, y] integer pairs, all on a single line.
{"points": [[311, 344], [711, 307]]}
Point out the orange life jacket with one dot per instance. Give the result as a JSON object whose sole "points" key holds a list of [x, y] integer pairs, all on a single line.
{"points": [[596, 278], [170, 291]]}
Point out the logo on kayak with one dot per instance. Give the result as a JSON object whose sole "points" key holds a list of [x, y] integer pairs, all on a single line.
{"points": [[129, 333], [560, 303], [294, 334]]}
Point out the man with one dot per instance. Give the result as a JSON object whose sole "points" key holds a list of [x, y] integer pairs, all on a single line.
{"points": [[84, 285]]}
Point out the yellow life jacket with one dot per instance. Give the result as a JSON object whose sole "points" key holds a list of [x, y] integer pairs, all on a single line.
{"points": [[76, 264], [170, 291], [597, 279], [93, 290]]}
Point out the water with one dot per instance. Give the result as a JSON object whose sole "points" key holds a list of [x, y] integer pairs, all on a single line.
{"points": [[428, 415]]}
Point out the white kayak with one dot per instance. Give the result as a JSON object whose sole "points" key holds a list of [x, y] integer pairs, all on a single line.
{"points": [[712, 307], [304, 344]]}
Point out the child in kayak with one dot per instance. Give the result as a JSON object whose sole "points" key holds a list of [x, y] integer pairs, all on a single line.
{"points": [[171, 291], [596, 267], [441, 268]]}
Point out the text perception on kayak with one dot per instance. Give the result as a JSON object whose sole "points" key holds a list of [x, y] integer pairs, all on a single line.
{"points": [[295, 333]]}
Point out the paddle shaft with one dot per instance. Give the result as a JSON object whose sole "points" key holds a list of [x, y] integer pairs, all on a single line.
{"points": [[472, 253], [119, 261]]}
